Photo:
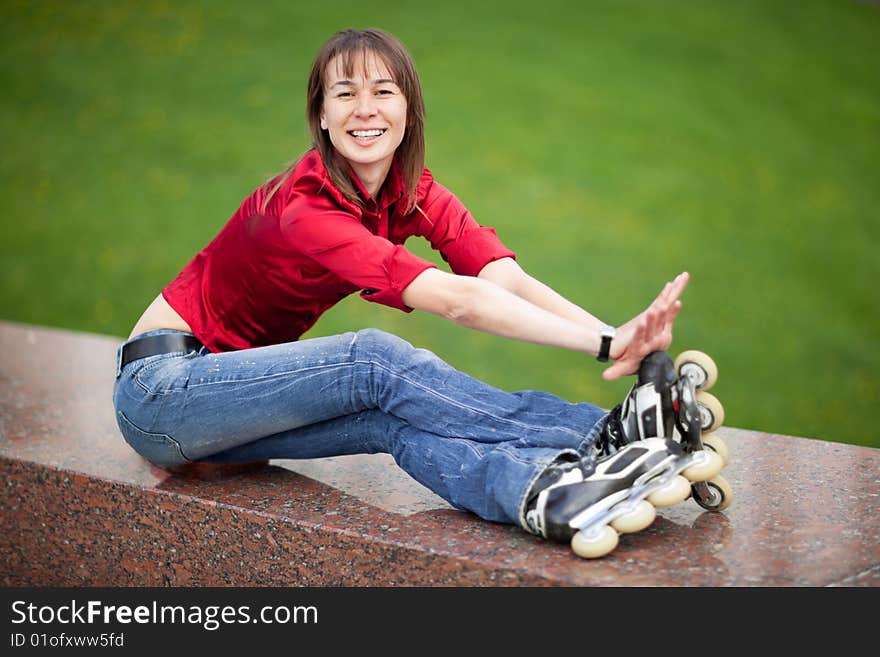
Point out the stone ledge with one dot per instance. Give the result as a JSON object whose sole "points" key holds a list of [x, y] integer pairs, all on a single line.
{"points": [[79, 508]]}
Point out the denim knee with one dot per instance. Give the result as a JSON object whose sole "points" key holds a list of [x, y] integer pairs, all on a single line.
{"points": [[372, 342]]}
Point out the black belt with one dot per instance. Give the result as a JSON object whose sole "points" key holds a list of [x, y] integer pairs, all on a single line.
{"points": [[152, 345]]}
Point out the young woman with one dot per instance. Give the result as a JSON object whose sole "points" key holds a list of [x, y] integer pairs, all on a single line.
{"points": [[215, 369]]}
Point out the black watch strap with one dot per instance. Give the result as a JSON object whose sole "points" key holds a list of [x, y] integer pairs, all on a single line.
{"points": [[606, 333]]}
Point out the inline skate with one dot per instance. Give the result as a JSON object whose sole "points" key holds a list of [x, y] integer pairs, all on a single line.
{"points": [[670, 400], [651, 453]]}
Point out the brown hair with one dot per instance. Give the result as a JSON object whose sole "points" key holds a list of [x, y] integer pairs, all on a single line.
{"points": [[349, 45]]}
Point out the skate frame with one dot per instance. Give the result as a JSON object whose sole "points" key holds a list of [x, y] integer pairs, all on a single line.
{"points": [[689, 423]]}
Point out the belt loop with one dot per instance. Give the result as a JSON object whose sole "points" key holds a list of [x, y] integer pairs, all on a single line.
{"points": [[119, 361]]}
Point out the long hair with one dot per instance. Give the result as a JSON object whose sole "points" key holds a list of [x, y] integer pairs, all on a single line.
{"points": [[352, 46]]}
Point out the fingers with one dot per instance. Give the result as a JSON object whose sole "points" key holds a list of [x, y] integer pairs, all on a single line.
{"points": [[672, 314], [673, 289], [613, 372], [619, 369], [668, 305], [655, 321], [680, 283], [653, 329]]}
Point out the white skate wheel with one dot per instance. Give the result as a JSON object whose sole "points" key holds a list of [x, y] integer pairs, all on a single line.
{"points": [[706, 465], [722, 494], [698, 367], [641, 515], [677, 490], [717, 445], [594, 544], [711, 411]]}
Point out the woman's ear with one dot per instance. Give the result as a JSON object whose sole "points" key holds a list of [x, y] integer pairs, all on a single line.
{"points": [[323, 122]]}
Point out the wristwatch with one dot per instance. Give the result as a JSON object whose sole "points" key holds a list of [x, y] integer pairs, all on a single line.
{"points": [[606, 333]]}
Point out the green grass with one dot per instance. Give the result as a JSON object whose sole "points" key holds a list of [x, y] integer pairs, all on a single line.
{"points": [[611, 144]]}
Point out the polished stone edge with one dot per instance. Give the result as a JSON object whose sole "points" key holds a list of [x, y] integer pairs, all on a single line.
{"points": [[63, 528]]}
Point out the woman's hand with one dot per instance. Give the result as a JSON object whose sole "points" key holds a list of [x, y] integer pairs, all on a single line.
{"points": [[650, 330]]}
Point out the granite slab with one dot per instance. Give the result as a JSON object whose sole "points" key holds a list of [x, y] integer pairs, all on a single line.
{"points": [[79, 508]]}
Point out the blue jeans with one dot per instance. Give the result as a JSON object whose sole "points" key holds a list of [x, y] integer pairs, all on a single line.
{"points": [[478, 447]]}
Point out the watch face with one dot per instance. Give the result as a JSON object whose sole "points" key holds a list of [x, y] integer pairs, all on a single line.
{"points": [[607, 332]]}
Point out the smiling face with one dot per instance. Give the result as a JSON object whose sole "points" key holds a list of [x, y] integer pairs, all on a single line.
{"points": [[365, 116]]}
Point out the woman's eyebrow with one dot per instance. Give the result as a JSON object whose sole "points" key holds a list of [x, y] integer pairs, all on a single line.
{"points": [[349, 83]]}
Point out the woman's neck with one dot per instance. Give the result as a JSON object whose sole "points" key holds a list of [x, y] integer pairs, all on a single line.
{"points": [[372, 176]]}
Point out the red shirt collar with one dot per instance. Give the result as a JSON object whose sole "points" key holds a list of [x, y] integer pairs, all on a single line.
{"points": [[392, 189]]}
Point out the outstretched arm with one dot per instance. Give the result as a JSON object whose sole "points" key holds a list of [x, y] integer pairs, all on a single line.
{"points": [[482, 305], [505, 301], [507, 273], [650, 330]]}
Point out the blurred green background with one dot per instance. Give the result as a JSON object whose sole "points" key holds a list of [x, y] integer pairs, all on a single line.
{"points": [[611, 143]]}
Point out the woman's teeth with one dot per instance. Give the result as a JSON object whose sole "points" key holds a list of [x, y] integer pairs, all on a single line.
{"points": [[366, 134]]}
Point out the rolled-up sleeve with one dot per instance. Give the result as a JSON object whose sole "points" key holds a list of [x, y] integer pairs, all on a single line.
{"points": [[338, 242], [464, 244]]}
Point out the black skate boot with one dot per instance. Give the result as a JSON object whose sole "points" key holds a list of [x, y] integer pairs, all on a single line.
{"points": [[669, 401], [649, 409], [589, 502]]}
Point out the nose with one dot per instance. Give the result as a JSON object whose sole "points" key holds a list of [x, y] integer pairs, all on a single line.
{"points": [[366, 105]]}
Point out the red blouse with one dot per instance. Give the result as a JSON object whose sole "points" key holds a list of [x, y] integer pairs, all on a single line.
{"points": [[268, 275]]}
